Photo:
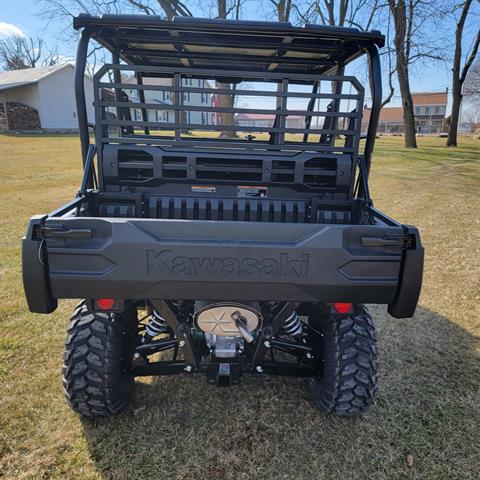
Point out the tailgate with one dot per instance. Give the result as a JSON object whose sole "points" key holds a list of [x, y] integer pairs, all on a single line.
{"points": [[214, 260]]}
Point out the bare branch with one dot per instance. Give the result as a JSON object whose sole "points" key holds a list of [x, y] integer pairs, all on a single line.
{"points": [[374, 10], [388, 98], [18, 52], [142, 6], [391, 68]]}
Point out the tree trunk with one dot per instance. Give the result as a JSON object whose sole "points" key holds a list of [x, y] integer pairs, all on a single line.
{"points": [[222, 8], [456, 84], [455, 114], [459, 77], [225, 101], [408, 115], [401, 42]]}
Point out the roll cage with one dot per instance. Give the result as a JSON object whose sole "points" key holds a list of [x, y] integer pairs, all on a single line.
{"points": [[229, 53]]}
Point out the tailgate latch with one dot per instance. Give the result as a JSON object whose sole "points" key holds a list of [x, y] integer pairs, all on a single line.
{"points": [[402, 241], [45, 231]]}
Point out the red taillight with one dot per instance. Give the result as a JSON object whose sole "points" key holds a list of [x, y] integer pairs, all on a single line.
{"points": [[343, 307], [105, 303]]}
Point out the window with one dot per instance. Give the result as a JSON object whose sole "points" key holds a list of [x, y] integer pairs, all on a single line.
{"points": [[162, 116], [204, 98], [437, 110], [204, 118], [427, 110], [166, 95], [417, 110], [186, 96], [138, 115]]}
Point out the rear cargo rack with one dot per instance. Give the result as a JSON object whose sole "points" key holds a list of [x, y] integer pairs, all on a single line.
{"points": [[153, 106]]}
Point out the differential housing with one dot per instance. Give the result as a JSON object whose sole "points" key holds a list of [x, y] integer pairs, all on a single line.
{"points": [[227, 319]]}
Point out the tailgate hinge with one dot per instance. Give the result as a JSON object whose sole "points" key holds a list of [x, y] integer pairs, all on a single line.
{"points": [[404, 241]]}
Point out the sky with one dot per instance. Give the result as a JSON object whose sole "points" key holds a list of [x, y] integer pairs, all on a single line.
{"points": [[23, 16]]}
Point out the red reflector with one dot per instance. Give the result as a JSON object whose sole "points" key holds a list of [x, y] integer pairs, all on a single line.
{"points": [[342, 307], [105, 303]]}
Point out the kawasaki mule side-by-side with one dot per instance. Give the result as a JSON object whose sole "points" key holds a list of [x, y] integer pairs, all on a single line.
{"points": [[224, 222]]}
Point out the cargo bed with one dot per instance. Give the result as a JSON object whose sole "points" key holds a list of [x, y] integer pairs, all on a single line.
{"points": [[140, 258]]}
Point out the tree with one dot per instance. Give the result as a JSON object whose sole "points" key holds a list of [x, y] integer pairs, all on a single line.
{"points": [[459, 73], [227, 101], [170, 7], [403, 22], [65, 10], [413, 22], [352, 13], [20, 52], [283, 9], [391, 65], [282, 12]]}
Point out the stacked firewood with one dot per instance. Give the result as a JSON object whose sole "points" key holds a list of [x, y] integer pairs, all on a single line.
{"points": [[18, 117], [3, 120]]}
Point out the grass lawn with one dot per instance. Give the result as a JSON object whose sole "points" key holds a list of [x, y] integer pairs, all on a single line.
{"points": [[428, 405]]}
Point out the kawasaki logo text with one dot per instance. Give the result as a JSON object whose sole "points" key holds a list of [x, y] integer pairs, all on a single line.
{"points": [[282, 265]]}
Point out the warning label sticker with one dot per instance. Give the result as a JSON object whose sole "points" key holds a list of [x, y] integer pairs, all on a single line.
{"points": [[248, 191]]}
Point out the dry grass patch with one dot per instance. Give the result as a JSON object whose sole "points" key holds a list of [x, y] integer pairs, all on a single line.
{"points": [[428, 404]]}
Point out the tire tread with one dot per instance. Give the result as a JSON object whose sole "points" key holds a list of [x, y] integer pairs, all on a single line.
{"points": [[93, 380], [350, 371]]}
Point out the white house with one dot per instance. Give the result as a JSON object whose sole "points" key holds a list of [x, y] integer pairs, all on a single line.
{"points": [[50, 90], [164, 99]]}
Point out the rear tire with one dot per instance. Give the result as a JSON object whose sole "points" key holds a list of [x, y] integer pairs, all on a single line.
{"points": [[98, 353], [347, 384]]}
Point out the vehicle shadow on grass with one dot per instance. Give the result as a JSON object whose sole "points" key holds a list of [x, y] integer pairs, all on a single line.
{"points": [[181, 427]]}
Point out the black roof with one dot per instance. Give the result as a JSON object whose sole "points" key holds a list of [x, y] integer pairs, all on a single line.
{"points": [[228, 44]]}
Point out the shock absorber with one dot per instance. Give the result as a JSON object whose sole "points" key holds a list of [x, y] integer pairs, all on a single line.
{"points": [[156, 325], [292, 325]]}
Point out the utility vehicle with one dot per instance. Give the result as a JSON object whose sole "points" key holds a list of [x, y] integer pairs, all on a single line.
{"points": [[224, 223]]}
